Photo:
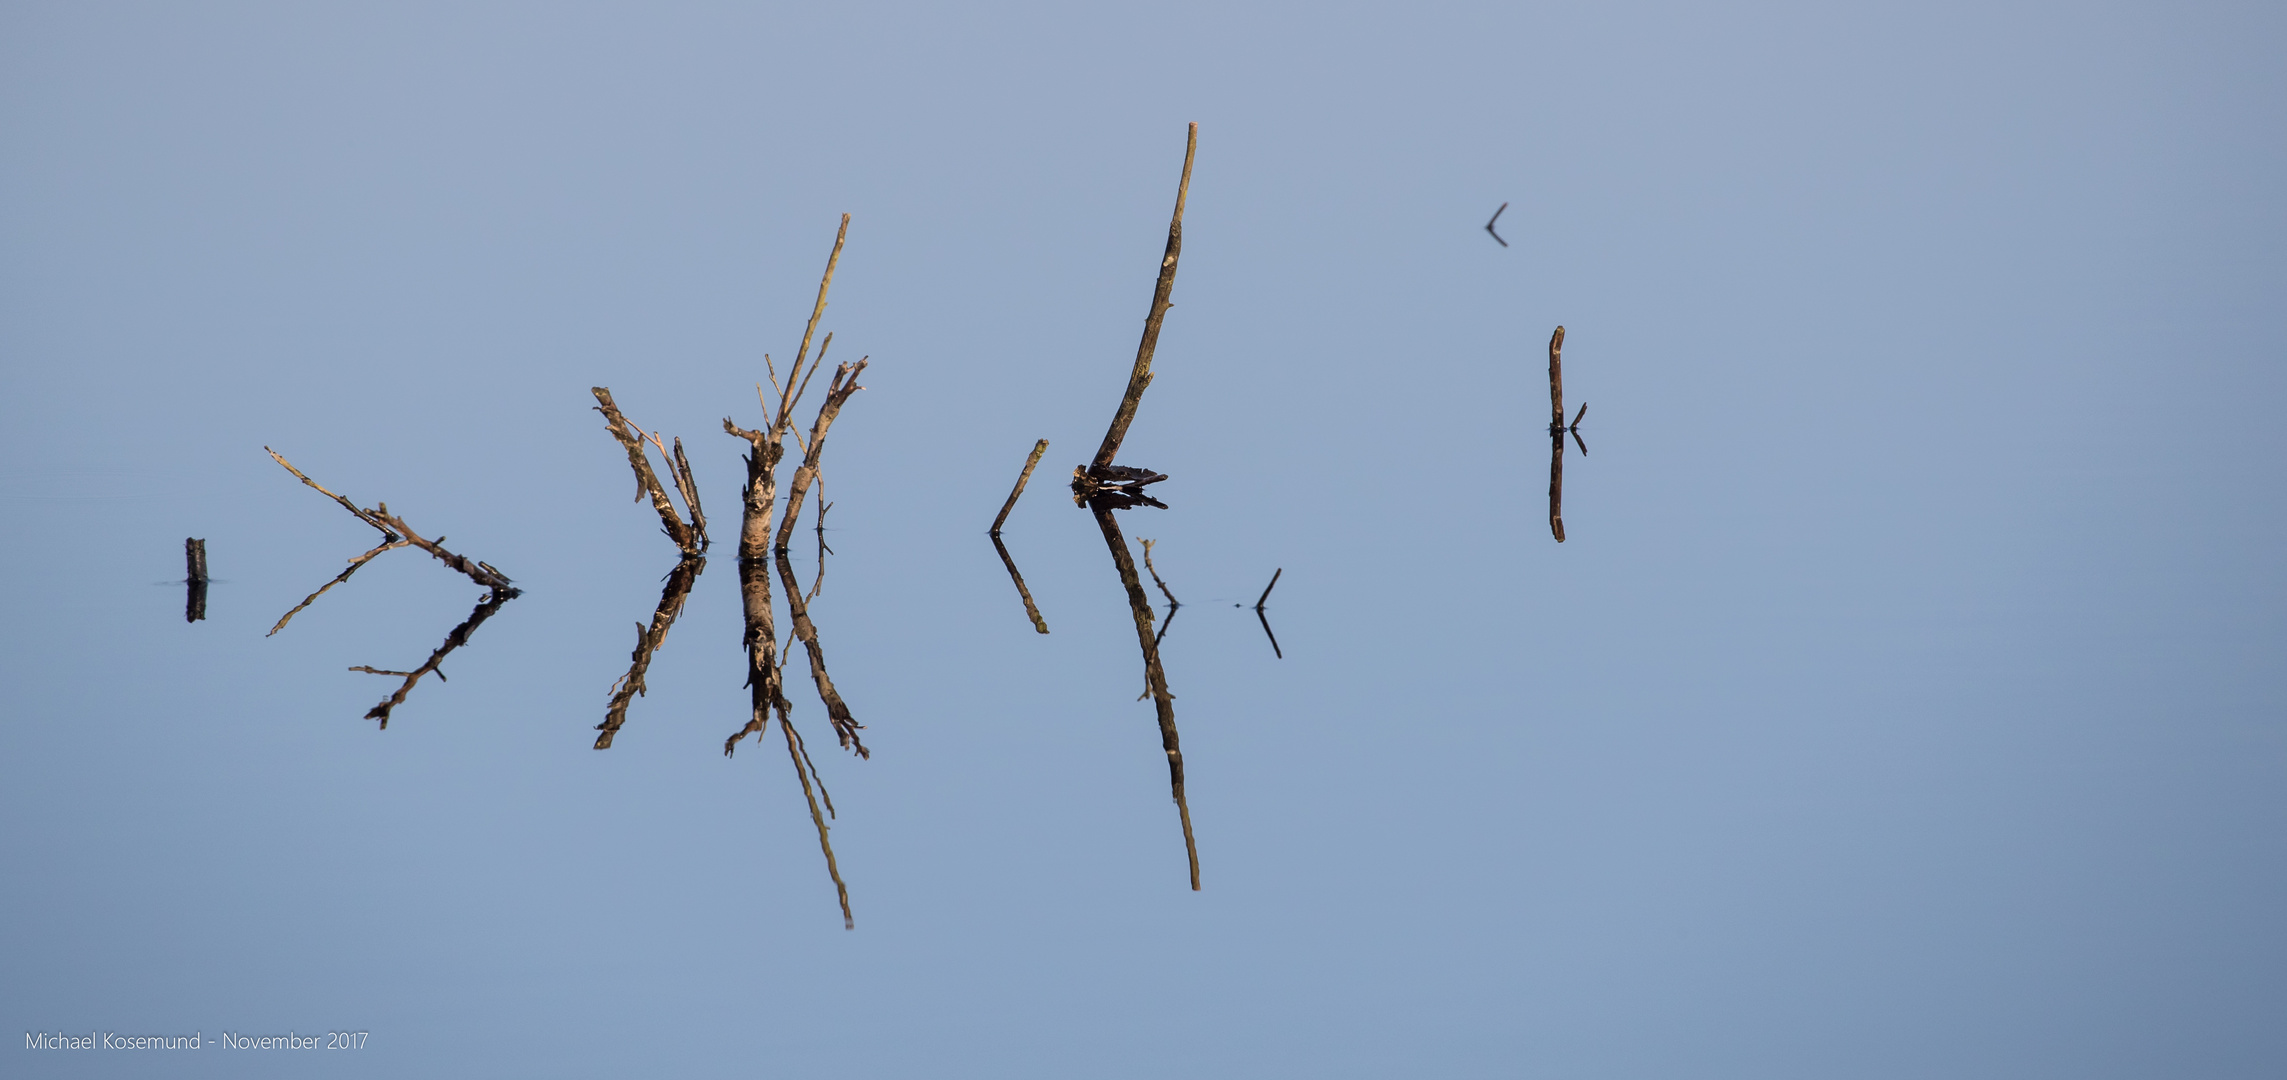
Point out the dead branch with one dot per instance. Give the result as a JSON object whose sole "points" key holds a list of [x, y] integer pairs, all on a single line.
{"points": [[1031, 611], [354, 564], [1155, 676], [689, 536], [1489, 225], [844, 384], [454, 640], [1172, 602], [647, 642], [1038, 449], [1265, 597], [362, 514], [1140, 377], [1556, 435]]}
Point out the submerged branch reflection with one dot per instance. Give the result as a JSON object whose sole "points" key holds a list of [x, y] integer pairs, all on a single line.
{"points": [[1155, 676]]}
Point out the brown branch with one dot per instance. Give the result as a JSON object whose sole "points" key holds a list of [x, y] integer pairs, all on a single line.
{"points": [[690, 491], [648, 641], [1155, 676], [1030, 610], [363, 515], [393, 544], [1140, 378], [686, 538], [480, 572], [844, 384], [1038, 449], [454, 640]]}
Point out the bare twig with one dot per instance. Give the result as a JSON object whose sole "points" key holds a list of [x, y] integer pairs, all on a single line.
{"points": [[844, 384], [1140, 377], [1155, 676], [391, 545], [689, 537], [1038, 449], [1030, 610], [1489, 225], [1264, 618], [1172, 602], [1265, 597], [363, 515]]}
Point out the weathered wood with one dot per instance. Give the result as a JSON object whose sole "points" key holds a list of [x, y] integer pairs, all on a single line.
{"points": [[689, 537], [1140, 377], [647, 641], [453, 640], [1038, 449], [194, 579], [1031, 610], [1556, 434]]}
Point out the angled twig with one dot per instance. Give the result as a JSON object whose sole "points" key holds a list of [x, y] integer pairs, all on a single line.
{"points": [[1489, 225], [1038, 449], [819, 582], [1172, 602], [794, 750], [1265, 619]]}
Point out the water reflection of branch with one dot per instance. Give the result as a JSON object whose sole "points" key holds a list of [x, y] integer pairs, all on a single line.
{"points": [[1155, 676], [1031, 610], [1265, 619], [454, 640], [647, 641]]}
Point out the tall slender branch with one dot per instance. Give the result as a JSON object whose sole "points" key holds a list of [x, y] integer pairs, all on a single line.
{"points": [[1556, 435], [1031, 610], [647, 641], [1140, 377]]}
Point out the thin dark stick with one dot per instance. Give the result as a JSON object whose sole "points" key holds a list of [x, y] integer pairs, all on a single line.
{"points": [[844, 384], [1489, 225], [362, 514], [1038, 449], [1574, 428], [846, 726], [1155, 676], [454, 640], [1030, 610], [647, 641], [1140, 378], [1260, 600]]}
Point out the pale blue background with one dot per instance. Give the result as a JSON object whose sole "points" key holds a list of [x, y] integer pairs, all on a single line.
{"points": [[1907, 702]]}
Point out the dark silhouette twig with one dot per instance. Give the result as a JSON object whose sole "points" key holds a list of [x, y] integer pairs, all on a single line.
{"points": [[1489, 225], [1038, 449], [819, 582], [1155, 676]]}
